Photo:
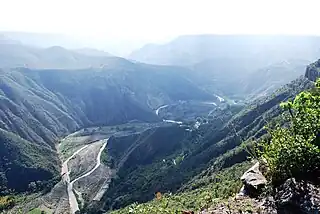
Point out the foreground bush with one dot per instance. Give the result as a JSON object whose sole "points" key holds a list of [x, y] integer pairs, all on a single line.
{"points": [[293, 149], [6, 202]]}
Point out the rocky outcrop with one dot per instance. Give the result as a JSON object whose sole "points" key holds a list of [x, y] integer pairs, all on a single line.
{"points": [[313, 71], [253, 181], [291, 197], [244, 205], [297, 197]]}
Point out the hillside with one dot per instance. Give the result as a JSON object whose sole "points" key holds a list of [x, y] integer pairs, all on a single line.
{"points": [[226, 162], [23, 159], [181, 159], [40, 106], [125, 142], [173, 159]]}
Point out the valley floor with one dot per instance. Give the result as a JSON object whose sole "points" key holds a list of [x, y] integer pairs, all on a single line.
{"points": [[83, 178]]}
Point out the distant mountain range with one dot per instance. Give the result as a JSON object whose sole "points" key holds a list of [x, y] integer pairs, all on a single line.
{"points": [[264, 50], [115, 46], [41, 40], [236, 64], [226, 65], [17, 55]]}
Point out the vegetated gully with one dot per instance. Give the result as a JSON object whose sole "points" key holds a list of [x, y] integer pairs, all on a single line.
{"points": [[74, 207]]}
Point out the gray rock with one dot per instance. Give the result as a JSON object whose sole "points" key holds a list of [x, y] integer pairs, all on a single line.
{"points": [[313, 71], [242, 193], [253, 181], [298, 197]]}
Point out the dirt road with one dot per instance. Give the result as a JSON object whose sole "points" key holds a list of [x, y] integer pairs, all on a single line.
{"points": [[74, 207]]}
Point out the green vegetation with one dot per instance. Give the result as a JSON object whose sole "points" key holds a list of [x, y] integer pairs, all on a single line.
{"points": [[171, 158], [143, 162], [293, 150], [20, 157], [37, 107], [220, 185], [6, 202], [288, 154], [63, 101], [36, 211]]}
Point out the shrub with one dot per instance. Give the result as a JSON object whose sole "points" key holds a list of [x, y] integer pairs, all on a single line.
{"points": [[293, 149], [6, 202]]}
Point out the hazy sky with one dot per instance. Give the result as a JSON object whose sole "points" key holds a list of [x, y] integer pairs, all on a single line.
{"points": [[160, 20]]}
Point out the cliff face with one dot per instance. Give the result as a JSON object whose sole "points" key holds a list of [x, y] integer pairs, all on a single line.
{"points": [[313, 71]]}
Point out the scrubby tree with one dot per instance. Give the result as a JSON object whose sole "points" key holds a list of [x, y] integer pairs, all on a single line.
{"points": [[293, 148]]}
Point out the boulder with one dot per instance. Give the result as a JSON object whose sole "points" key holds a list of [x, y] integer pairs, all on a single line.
{"points": [[297, 197], [242, 193], [253, 181]]}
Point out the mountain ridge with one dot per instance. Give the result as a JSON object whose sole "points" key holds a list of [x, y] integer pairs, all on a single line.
{"points": [[196, 48]]}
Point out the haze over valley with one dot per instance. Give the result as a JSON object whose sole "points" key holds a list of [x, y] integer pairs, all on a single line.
{"points": [[107, 109]]}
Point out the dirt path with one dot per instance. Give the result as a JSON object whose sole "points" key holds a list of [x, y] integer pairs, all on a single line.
{"points": [[96, 166], [74, 207]]}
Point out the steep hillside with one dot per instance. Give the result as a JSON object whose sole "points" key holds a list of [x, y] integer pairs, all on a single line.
{"points": [[23, 162], [190, 160], [211, 170], [42, 105], [144, 164]]}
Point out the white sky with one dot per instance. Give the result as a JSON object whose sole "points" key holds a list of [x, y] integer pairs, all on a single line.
{"points": [[160, 19], [128, 24]]}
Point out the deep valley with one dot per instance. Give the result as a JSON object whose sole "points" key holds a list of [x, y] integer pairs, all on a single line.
{"points": [[170, 129]]}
